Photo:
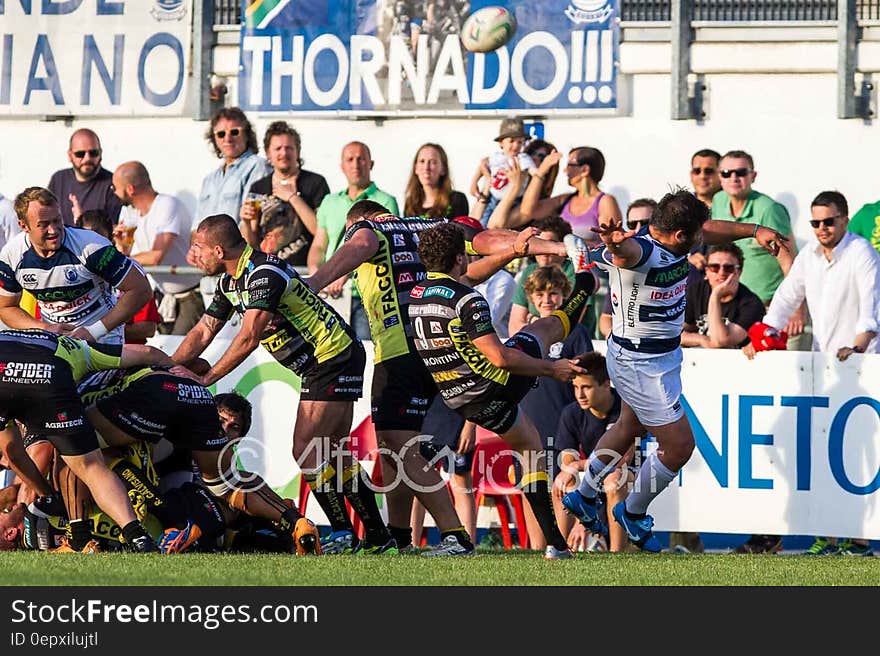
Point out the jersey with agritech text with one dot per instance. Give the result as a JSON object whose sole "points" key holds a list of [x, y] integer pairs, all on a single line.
{"points": [[75, 285], [81, 356], [386, 279], [304, 331], [648, 299], [447, 316]]}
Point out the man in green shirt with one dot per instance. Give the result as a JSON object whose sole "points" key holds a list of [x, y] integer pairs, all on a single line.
{"points": [[356, 165], [866, 222], [737, 201]]}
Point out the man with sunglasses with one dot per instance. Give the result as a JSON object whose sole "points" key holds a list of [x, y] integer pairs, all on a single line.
{"points": [[233, 140], [704, 175], [86, 185], [719, 309], [839, 278], [737, 201]]}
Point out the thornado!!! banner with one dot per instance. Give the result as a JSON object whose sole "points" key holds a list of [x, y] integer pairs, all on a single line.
{"points": [[94, 57], [405, 57]]}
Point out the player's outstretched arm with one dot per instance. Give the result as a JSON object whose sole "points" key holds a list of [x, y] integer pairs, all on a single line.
{"points": [[625, 251], [197, 339], [722, 232], [245, 342], [136, 355], [485, 267], [490, 242], [362, 245], [517, 362]]}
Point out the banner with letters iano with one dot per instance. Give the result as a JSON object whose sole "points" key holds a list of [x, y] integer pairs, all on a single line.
{"points": [[94, 57], [405, 57]]}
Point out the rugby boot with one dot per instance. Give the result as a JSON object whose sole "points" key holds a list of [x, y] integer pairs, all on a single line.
{"points": [[585, 510], [306, 538], [178, 540], [638, 529]]}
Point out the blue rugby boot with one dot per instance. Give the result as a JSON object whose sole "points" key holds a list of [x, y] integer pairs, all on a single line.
{"points": [[585, 510], [638, 529]]}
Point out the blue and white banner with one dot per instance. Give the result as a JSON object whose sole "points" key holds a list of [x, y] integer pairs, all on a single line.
{"points": [[406, 57], [786, 444], [94, 57]]}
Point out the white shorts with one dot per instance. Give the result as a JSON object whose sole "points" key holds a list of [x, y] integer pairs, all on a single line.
{"points": [[651, 386]]}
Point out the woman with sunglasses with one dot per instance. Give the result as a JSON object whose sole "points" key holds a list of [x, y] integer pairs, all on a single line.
{"points": [[719, 309], [586, 207]]}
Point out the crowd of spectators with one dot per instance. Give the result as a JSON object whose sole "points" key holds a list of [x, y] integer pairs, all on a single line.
{"points": [[824, 298]]}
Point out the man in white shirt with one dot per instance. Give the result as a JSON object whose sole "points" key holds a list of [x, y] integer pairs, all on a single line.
{"points": [[162, 228], [839, 277]]}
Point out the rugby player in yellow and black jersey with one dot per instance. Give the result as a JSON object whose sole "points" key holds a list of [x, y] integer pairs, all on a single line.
{"points": [[481, 378], [382, 251], [308, 337], [38, 374]]}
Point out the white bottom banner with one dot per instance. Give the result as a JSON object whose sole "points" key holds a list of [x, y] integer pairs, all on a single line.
{"points": [[786, 444]]}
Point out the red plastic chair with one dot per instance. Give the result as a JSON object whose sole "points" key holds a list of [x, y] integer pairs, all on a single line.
{"points": [[492, 462]]}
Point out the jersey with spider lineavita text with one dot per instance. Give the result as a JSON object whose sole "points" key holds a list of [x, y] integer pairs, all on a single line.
{"points": [[385, 280], [304, 332], [447, 316], [647, 299]]}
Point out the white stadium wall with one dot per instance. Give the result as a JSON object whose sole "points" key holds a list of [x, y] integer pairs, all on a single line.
{"points": [[771, 91]]}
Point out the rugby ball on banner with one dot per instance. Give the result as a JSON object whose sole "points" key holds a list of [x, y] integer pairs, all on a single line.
{"points": [[487, 29]]}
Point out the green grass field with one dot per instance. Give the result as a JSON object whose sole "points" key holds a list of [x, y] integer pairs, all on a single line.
{"points": [[485, 569]]}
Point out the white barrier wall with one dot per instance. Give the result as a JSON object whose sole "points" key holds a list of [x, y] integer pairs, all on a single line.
{"points": [[786, 444], [771, 91]]}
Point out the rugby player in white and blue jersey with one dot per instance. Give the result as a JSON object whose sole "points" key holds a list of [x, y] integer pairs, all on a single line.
{"points": [[71, 272], [647, 275]]}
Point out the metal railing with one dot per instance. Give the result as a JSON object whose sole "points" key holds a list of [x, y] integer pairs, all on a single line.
{"points": [[227, 12], [749, 10]]}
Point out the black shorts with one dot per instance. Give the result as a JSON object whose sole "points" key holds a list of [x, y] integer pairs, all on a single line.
{"points": [[338, 379], [442, 427], [163, 405], [402, 391], [499, 410], [37, 389]]}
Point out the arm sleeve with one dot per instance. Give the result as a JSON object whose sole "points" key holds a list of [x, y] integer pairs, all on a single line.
{"points": [[788, 296], [109, 264], [103, 356], [265, 288], [475, 316], [360, 225], [220, 307], [8, 284]]}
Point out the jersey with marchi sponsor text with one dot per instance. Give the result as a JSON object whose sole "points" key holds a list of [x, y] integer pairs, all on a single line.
{"points": [[385, 280], [73, 286], [447, 316], [304, 332], [647, 299]]}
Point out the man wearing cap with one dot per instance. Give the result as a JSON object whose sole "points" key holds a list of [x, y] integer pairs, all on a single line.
{"points": [[511, 138]]}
